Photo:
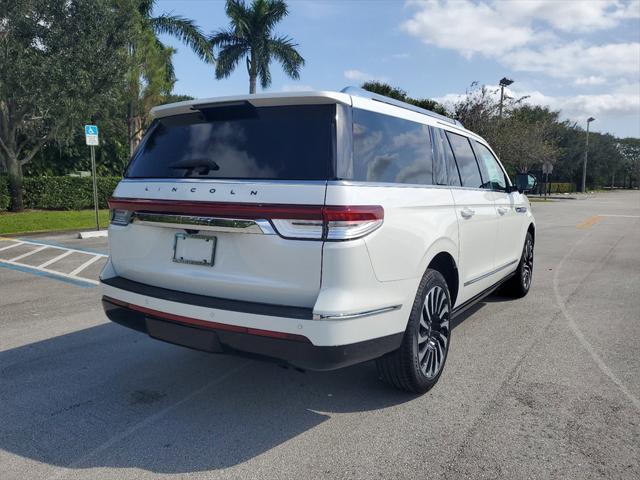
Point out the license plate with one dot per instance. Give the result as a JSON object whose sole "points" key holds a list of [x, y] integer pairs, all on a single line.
{"points": [[194, 249]]}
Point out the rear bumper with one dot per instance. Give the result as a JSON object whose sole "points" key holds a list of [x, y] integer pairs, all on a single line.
{"points": [[207, 336]]}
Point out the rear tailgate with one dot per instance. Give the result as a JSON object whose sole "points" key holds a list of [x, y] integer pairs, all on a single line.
{"points": [[229, 173], [249, 263]]}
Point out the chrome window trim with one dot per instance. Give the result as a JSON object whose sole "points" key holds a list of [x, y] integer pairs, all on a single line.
{"points": [[355, 183]]}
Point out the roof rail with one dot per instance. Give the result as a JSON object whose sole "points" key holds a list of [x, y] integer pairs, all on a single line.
{"points": [[361, 92]]}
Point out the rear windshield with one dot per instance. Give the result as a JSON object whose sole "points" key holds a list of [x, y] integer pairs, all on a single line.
{"points": [[240, 142]]}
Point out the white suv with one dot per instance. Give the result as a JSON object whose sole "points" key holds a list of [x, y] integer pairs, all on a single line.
{"points": [[321, 229]]}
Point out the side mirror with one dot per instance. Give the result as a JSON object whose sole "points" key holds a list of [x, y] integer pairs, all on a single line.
{"points": [[525, 182]]}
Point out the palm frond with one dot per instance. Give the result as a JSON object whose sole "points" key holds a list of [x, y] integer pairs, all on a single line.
{"points": [[186, 31], [275, 11], [239, 15], [228, 59], [264, 73], [284, 50], [224, 38]]}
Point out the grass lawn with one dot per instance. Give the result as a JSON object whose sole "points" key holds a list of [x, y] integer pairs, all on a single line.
{"points": [[50, 220]]}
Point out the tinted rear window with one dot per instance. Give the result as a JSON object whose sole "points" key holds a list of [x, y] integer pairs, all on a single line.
{"points": [[240, 142], [390, 149]]}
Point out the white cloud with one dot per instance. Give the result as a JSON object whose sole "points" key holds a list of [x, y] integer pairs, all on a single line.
{"points": [[360, 76], [623, 101], [531, 35], [591, 80], [569, 16], [577, 59], [296, 88], [466, 27]]}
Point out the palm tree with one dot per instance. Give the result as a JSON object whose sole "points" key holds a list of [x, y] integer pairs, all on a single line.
{"points": [[151, 74], [250, 36]]}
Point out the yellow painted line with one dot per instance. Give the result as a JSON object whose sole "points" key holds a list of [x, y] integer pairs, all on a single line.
{"points": [[589, 222]]}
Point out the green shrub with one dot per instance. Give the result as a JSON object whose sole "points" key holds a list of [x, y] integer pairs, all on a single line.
{"points": [[562, 187], [61, 193], [4, 193]]}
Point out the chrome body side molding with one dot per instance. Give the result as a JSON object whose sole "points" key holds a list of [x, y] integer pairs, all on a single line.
{"points": [[492, 272]]}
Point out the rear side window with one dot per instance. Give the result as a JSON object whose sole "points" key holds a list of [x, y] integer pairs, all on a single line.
{"points": [[241, 142], [466, 160], [491, 172], [390, 149], [444, 156]]}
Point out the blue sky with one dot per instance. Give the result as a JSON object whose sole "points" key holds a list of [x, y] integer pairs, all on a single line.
{"points": [[579, 57]]}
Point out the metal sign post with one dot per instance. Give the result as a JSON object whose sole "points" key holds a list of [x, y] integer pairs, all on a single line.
{"points": [[91, 137], [547, 168]]}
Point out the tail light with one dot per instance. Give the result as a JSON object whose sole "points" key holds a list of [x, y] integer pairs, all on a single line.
{"points": [[120, 216], [300, 222], [334, 223]]}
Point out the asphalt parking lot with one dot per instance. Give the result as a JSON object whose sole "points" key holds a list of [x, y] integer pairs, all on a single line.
{"points": [[543, 387]]}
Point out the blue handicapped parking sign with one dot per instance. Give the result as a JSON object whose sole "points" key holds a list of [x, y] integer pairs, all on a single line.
{"points": [[91, 130]]}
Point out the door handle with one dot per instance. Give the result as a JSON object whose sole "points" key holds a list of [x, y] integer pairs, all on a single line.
{"points": [[466, 212], [502, 210]]}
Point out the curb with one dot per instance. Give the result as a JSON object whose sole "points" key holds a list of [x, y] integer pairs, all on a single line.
{"points": [[93, 234]]}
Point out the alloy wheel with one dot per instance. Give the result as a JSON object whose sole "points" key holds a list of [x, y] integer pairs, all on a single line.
{"points": [[433, 332], [527, 264]]}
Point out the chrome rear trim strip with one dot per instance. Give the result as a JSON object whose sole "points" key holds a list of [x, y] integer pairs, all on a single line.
{"points": [[211, 224], [349, 316]]}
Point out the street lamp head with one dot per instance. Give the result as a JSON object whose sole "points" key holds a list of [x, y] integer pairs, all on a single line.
{"points": [[590, 119], [505, 82]]}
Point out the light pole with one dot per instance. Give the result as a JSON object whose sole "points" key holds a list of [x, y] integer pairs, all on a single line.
{"points": [[586, 156], [505, 82]]}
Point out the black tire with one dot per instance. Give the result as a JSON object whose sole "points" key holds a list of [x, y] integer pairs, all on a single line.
{"points": [[417, 365], [518, 285]]}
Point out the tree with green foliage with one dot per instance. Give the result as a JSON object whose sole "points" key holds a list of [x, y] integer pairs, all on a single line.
{"points": [[387, 90], [250, 36], [629, 148], [151, 76], [524, 138], [61, 63]]}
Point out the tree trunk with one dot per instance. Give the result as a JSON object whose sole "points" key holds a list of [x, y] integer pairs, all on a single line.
{"points": [[134, 124], [253, 74], [14, 171], [135, 133]]}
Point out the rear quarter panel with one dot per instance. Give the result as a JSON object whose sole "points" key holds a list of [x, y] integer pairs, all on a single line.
{"points": [[419, 222]]}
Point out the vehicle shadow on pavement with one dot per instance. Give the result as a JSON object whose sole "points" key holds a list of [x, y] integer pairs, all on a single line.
{"points": [[109, 397]]}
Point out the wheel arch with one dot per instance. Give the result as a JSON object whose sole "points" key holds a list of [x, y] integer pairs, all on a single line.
{"points": [[532, 230], [442, 256], [444, 263]]}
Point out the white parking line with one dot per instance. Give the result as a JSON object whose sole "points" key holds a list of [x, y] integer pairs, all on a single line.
{"points": [[84, 265], [55, 259], [64, 248], [94, 257], [24, 255], [11, 246], [51, 272]]}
